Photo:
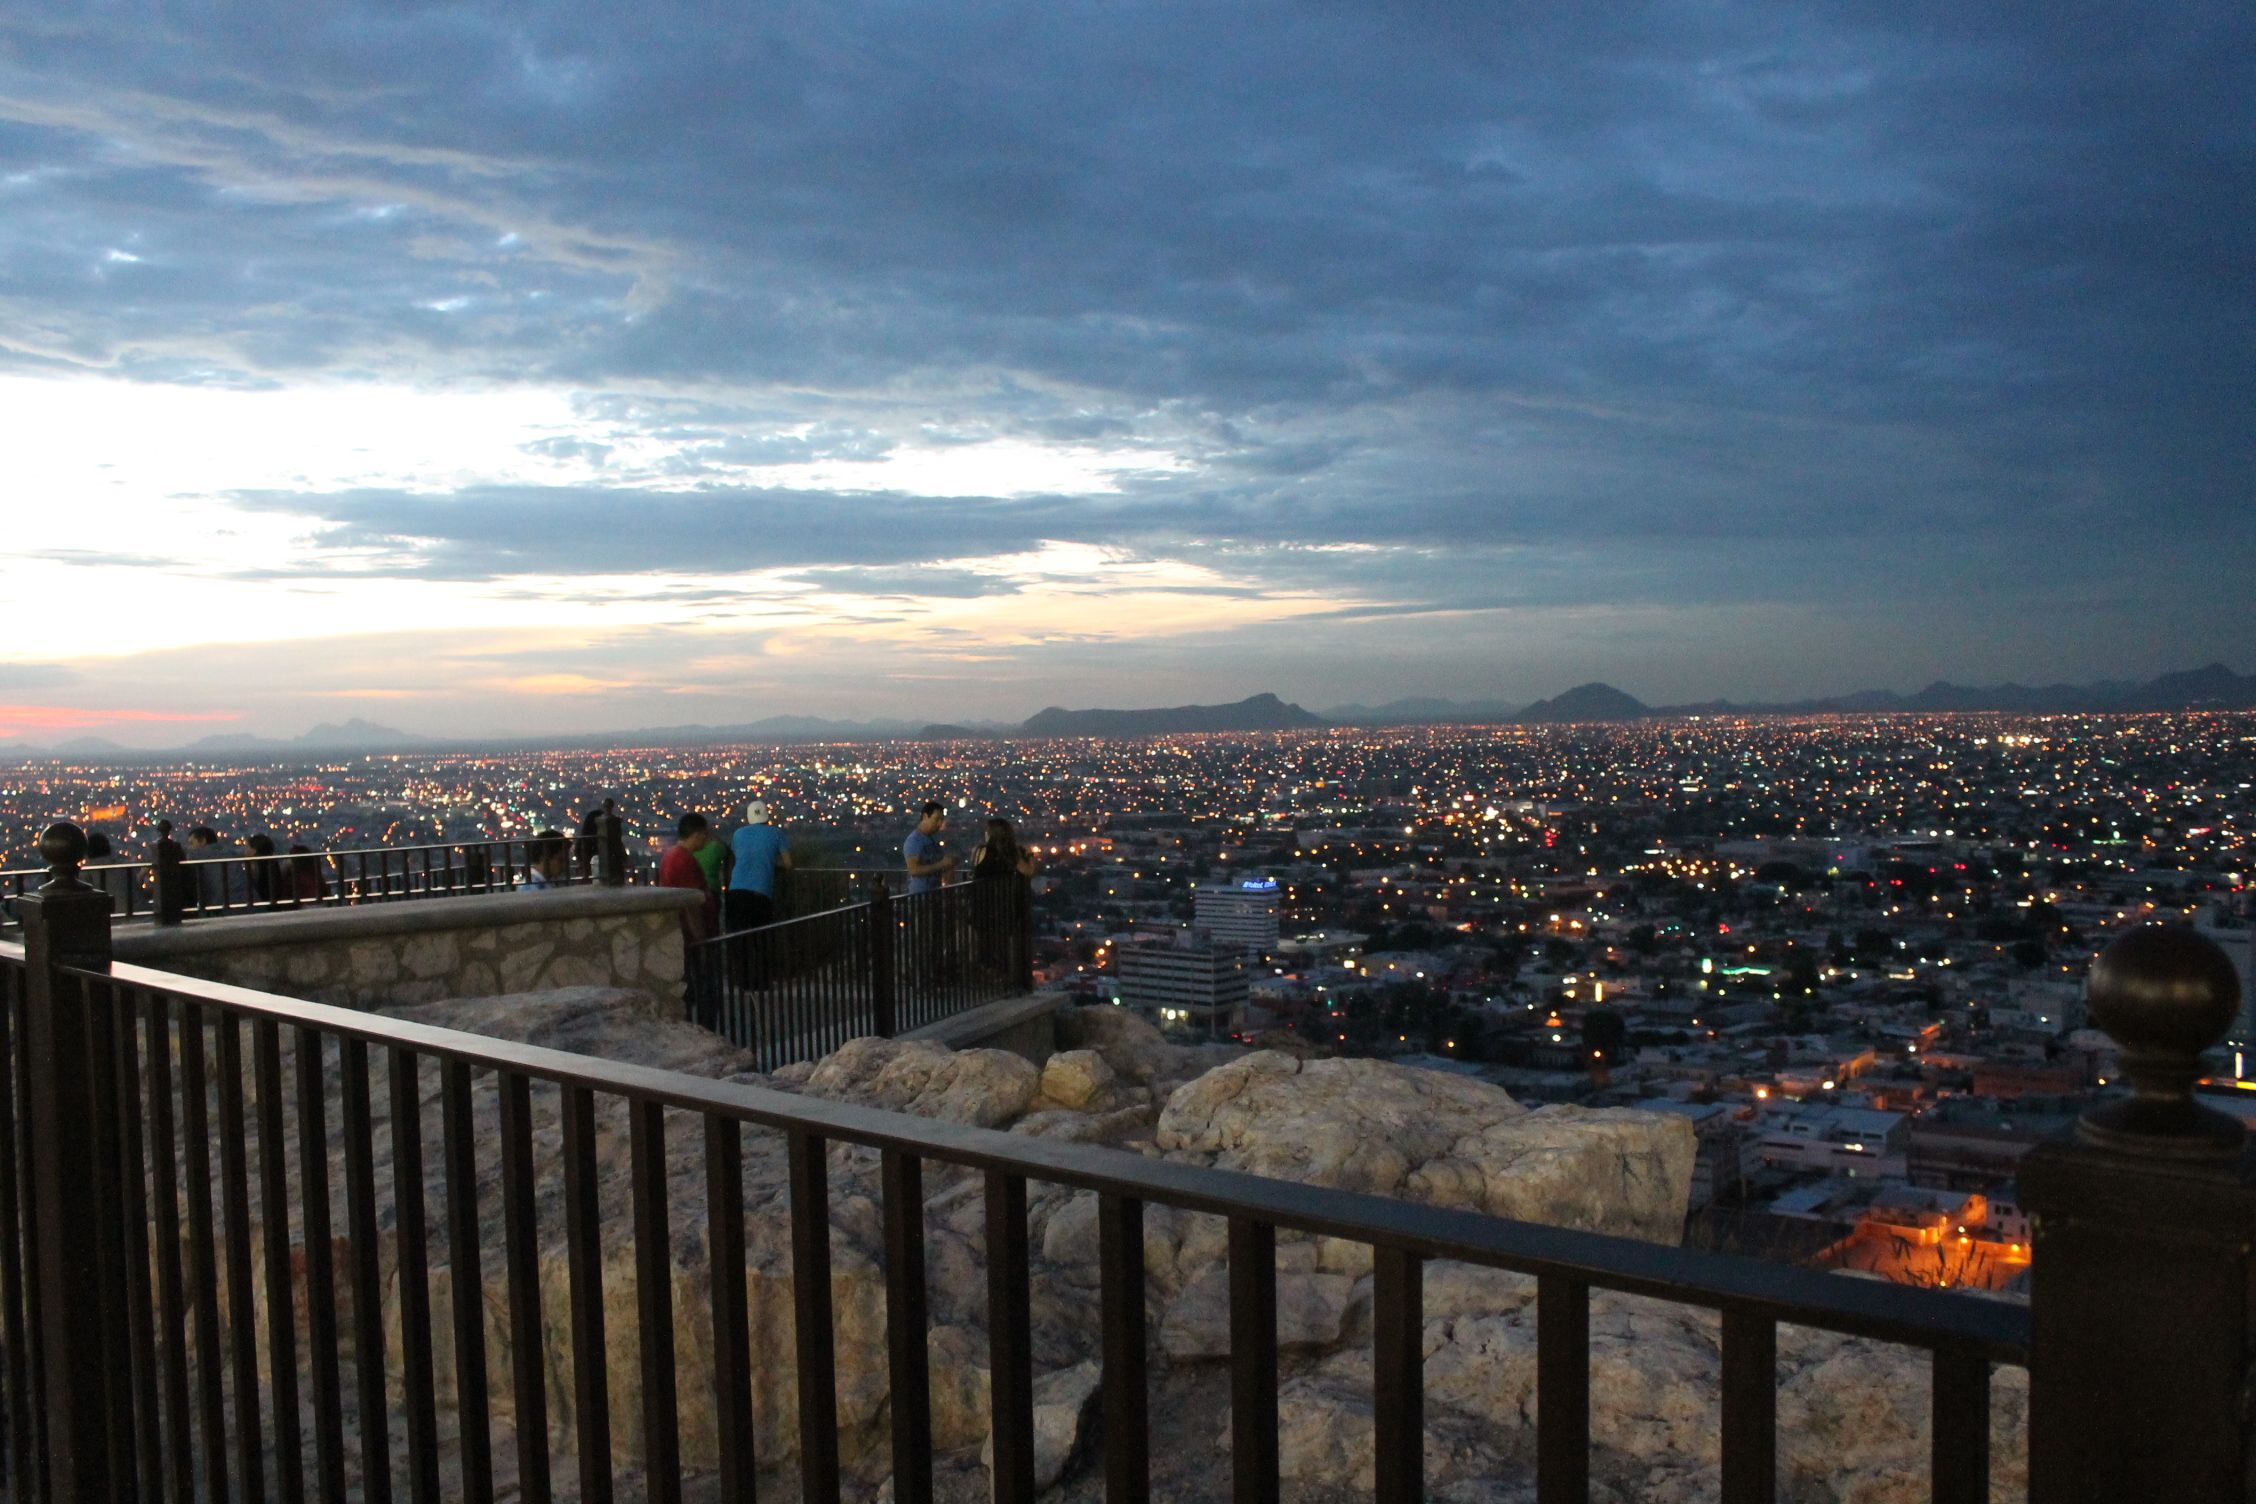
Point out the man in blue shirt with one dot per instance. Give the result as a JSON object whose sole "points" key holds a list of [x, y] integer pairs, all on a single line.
{"points": [[927, 860], [762, 851]]}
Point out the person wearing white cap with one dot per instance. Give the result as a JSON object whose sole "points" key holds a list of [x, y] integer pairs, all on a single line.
{"points": [[762, 852]]}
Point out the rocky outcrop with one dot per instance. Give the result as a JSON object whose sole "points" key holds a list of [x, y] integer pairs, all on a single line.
{"points": [[1365, 1125]]}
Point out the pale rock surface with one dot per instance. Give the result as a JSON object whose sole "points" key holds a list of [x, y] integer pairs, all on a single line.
{"points": [[986, 1088], [1429, 1136], [1079, 1080]]}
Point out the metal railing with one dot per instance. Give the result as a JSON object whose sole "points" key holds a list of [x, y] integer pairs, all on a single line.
{"points": [[148, 1202], [799, 989], [178, 884]]}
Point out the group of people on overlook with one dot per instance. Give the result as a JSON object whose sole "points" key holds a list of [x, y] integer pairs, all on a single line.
{"points": [[742, 877]]}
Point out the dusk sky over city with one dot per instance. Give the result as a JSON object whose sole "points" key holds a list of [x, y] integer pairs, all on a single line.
{"points": [[521, 369]]}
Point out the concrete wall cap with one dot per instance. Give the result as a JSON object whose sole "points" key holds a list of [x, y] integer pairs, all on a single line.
{"points": [[142, 942]]}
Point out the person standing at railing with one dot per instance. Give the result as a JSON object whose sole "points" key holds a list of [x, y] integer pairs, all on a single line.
{"points": [[680, 868], [115, 881], [306, 884], [546, 858], [217, 886], [259, 872], [997, 867], [762, 854], [925, 857]]}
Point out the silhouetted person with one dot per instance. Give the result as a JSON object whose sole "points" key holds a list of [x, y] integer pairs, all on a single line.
{"points": [[307, 885], [260, 874], [546, 860]]}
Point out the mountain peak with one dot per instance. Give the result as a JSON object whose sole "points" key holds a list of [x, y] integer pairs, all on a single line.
{"points": [[1586, 702]]}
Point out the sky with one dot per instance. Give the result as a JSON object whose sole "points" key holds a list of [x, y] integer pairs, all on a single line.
{"points": [[493, 369]]}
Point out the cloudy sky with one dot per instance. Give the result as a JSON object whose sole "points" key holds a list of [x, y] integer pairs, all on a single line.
{"points": [[588, 366]]}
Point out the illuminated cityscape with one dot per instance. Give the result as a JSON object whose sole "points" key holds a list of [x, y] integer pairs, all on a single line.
{"points": [[1852, 949]]}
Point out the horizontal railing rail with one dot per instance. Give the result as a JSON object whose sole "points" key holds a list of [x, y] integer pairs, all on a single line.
{"points": [[240, 883]]}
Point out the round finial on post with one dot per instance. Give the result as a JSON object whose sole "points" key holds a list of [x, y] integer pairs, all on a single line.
{"points": [[63, 848], [2165, 994]]}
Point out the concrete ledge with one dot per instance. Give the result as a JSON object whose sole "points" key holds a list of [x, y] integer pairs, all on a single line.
{"points": [[144, 943], [1025, 1025]]}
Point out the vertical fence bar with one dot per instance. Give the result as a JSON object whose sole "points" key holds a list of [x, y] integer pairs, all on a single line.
{"points": [[203, 1273], [1022, 933], [1562, 1390], [521, 1242], [1398, 1356], [583, 1232], [1010, 1338], [172, 1315], [366, 1274], [1960, 1429], [281, 1303], [654, 1300], [27, 1182], [1750, 1401], [1253, 1361], [13, 1318], [320, 1260], [907, 1321], [732, 1338], [466, 1277], [1127, 1396], [418, 1379], [141, 1329], [812, 1317], [883, 1007], [242, 1323], [96, 1001]]}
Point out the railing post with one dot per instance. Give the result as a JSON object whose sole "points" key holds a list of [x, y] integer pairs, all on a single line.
{"points": [[614, 851], [165, 873], [881, 959], [66, 924], [1022, 932], [2142, 1282]]}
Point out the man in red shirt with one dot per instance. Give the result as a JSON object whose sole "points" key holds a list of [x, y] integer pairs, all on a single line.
{"points": [[679, 868]]}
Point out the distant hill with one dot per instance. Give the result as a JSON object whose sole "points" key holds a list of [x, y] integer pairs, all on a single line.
{"points": [[1260, 713], [1425, 711], [1585, 702]]}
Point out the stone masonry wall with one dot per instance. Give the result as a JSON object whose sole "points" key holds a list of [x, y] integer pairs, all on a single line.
{"points": [[399, 954]]}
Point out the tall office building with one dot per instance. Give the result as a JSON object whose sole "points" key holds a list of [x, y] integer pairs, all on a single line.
{"points": [[1239, 916], [1198, 990]]}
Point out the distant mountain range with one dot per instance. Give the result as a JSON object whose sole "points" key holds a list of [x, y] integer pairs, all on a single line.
{"points": [[2214, 687], [1258, 713]]}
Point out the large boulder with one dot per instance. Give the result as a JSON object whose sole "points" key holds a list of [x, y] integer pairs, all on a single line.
{"points": [[1443, 1139], [986, 1088]]}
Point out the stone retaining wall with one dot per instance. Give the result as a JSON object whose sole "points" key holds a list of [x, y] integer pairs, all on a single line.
{"points": [[426, 950]]}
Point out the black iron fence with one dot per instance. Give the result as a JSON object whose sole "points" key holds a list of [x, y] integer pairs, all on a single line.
{"points": [[176, 1303], [179, 882], [799, 989]]}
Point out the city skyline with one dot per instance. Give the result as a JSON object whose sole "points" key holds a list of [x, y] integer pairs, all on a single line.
{"points": [[515, 372]]}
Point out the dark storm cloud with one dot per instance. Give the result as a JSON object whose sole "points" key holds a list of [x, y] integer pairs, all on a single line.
{"points": [[1649, 302]]}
